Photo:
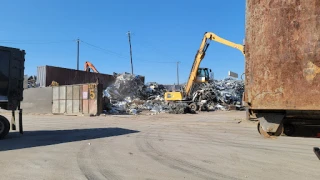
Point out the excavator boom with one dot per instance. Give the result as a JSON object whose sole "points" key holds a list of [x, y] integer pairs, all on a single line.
{"points": [[88, 66], [208, 36], [201, 54], [214, 37]]}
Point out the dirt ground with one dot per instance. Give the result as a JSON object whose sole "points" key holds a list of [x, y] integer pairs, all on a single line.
{"points": [[208, 145]]}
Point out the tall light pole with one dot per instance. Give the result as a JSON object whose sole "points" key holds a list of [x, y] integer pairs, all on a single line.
{"points": [[78, 47], [129, 36], [178, 72]]}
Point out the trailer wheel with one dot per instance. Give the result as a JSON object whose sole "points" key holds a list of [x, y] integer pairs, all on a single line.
{"points": [[265, 134], [279, 131], [4, 127], [262, 132], [289, 129]]}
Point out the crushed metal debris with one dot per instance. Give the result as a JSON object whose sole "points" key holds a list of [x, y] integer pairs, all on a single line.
{"points": [[129, 95]]}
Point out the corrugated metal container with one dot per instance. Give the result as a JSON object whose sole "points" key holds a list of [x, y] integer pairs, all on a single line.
{"points": [[41, 76], [283, 55], [25, 82], [64, 76], [77, 99]]}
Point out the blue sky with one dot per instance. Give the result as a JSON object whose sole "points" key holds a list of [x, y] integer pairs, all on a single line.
{"points": [[163, 32]]}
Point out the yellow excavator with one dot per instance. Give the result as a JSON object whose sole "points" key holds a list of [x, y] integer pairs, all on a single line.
{"points": [[198, 75]]}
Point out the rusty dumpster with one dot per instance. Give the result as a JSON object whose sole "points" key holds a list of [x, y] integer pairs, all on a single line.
{"points": [[77, 99], [282, 66]]}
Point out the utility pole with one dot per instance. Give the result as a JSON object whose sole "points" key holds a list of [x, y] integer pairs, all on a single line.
{"points": [[178, 72], [78, 47], [129, 36]]}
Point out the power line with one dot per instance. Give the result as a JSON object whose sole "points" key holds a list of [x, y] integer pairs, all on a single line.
{"points": [[33, 42], [103, 49], [148, 45], [164, 62], [84, 42], [121, 56]]}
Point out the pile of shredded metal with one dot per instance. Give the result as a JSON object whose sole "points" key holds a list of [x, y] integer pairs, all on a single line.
{"points": [[129, 95], [126, 86], [228, 92]]}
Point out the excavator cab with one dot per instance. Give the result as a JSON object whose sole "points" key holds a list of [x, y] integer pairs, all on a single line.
{"points": [[203, 75]]}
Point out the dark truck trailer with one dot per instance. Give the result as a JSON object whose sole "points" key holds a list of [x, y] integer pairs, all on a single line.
{"points": [[11, 86], [282, 63]]}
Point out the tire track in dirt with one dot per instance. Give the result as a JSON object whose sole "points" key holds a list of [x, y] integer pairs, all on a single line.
{"points": [[146, 146], [91, 166], [232, 142]]}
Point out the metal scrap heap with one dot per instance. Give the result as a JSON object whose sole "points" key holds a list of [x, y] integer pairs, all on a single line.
{"points": [[229, 91], [126, 86], [221, 94], [129, 95]]}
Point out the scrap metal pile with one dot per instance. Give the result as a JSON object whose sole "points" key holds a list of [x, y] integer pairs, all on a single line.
{"points": [[129, 95], [229, 92], [32, 82], [222, 94]]}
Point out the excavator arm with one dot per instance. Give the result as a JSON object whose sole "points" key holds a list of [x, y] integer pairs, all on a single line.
{"points": [[208, 36], [88, 66]]}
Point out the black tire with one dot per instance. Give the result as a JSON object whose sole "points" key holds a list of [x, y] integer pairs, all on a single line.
{"points": [[4, 127], [193, 107], [204, 108], [289, 129]]}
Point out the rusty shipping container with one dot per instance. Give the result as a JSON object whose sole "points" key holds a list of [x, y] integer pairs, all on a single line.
{"points": [[282, 58], [64, 76]]}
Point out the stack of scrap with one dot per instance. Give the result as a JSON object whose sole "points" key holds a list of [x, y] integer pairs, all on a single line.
{"points": [[32, 82], [223, 93], [229, 91], [129, 95], [126, 86], [155, 91]]}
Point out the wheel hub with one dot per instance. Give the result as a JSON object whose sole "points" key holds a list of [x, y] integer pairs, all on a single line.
{"points": [[193, 107]]}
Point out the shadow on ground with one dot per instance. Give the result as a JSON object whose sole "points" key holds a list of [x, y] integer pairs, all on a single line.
{"points": [[44, 138], [306, 131]]}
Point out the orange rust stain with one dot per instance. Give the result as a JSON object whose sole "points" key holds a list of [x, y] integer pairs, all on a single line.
{"points": [[310, 71]]}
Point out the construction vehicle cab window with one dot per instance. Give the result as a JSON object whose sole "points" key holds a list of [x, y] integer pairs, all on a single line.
{"points": [[203, 75], [160, 90]]}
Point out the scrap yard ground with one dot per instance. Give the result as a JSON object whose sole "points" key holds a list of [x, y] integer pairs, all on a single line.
{"points": [[208, 145]]}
